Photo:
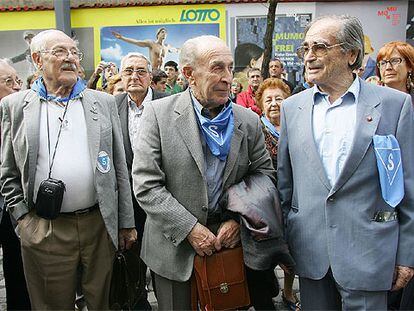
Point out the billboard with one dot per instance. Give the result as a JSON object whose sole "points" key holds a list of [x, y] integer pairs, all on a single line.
{"points": [[94, 28]]}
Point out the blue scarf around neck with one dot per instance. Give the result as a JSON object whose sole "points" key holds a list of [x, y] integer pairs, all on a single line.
{"points": [[272, 129], [217, 132], [40, 88]]}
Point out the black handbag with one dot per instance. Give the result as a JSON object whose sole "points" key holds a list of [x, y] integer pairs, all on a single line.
{"points": [[128, 279], [49, 198]]}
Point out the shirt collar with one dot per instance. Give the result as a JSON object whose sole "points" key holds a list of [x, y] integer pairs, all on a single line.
{"points": [[353, 89], [200, 107], [147, 99]]}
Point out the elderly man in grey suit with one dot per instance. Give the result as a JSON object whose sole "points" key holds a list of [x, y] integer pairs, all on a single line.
{"points": [[136, 77], [61, 130], [180, 171], [346, 157]]}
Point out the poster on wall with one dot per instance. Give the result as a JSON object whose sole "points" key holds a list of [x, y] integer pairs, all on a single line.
{"points": [[17, 51], [160, 43], [287, 37]]}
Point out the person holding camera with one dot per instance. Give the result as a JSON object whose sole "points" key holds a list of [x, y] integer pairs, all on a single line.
{"points": [[104, 70], [65, 179]]}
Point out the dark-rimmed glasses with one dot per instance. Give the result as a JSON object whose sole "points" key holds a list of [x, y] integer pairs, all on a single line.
{"points": [[64, 53], [318, 49], [395, 61], [129, 72]]}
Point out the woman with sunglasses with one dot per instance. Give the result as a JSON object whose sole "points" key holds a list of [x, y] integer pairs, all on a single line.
{"points": [[395, 65]]}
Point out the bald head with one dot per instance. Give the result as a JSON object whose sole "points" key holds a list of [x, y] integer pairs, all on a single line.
{"points": [[198, 48], [9, 81]]}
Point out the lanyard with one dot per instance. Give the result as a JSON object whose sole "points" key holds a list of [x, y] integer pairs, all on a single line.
{"points": [[62, 120]]}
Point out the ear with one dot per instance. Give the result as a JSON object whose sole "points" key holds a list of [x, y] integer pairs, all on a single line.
{"points": [[353, 56], [37, 60], [188, 73], [252, 63]]}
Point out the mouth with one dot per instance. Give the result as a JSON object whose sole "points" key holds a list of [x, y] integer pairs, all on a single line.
{"points": [[69, 67]]}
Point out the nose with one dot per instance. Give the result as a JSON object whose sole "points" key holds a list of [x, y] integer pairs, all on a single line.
{"points": [[310, 56], [228, 75], [16, 85]]}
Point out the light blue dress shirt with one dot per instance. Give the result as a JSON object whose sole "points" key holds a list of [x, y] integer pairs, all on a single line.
{"points": [[334, 128], [213, 169]]}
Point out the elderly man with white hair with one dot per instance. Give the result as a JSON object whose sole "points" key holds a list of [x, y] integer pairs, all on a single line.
{"points": [[65, 179], [16, 292], [136, 77], [180, 171]]}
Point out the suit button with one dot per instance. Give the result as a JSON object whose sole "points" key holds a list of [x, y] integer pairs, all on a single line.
{"points": [[173, 240], [204, 208], [332, 226], [331, 199]]}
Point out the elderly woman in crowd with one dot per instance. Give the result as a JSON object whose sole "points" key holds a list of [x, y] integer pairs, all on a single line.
{"points": [[269, 99], [395, 65]]}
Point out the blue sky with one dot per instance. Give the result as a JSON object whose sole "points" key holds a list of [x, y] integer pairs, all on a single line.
{"points": [[112, 49]]}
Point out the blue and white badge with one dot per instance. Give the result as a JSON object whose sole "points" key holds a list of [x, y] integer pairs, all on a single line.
{"points": [[104, 163], [388, 153]]}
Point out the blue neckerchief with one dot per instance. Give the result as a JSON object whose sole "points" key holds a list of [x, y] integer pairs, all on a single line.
{"points": [[389, 163], [40, 88], [218, 131], [306, 85], [270, 127]]}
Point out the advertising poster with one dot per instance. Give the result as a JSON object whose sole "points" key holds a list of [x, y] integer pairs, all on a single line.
{"points": [[160, 43], [93, 29], [287, 37]]}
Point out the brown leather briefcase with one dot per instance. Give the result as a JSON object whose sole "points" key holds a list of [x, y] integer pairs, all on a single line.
{"points": [[219, 281]]}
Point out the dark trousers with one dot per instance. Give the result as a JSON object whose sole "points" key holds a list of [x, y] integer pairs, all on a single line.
{"points": [[402, 299], [263, 286], [16, 290]]}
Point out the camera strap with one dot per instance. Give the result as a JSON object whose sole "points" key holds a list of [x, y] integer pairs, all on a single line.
{"points": [[48, 134]]}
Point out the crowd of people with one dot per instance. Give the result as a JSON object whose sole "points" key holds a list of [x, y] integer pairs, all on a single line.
{"points": [[154, 156]]}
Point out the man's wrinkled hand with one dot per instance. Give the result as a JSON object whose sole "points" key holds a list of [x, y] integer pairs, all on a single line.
{"points": [[402, 275], [228, 235], [202, 240], [127, 237]]}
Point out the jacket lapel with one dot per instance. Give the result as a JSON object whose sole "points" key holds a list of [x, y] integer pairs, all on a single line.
{"points": [[91, 111], [123, 116], [31, 115], [187, 126], [368, 118], [234, 147], [309, 145]]}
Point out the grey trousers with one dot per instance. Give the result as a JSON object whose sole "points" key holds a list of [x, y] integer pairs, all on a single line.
{"points": [[327, 294], [172, 295]]}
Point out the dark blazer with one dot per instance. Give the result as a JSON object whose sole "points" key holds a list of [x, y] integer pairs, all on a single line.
{"points": [[122, 104]]}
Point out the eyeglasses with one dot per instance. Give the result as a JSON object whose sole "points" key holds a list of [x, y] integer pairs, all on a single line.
{"points": [[64, 53], [395, 61], [318, 49], [10, 82], [129, 72]]}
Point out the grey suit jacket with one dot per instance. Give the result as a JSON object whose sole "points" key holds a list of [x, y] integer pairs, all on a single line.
{"points": [[168, 179], [332, 226], [20, 115]]}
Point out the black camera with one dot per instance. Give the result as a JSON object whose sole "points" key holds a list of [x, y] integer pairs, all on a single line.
{"points": [[49, 198]]}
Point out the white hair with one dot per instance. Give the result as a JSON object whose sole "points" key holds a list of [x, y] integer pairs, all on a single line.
{"points": [[39, 41], [190, 49], [138, 55]]}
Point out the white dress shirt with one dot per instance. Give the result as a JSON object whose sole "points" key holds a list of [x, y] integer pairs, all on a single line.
{"points": [[134, 115], [334, 128]]}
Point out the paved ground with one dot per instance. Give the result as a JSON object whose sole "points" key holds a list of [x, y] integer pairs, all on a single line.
{"points": [[152, 300]]}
